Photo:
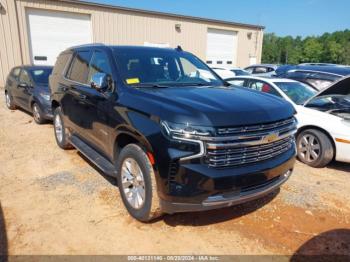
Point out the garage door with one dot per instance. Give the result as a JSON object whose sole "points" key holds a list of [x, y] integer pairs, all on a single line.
{"points": [[51, 32], [221, 48]]}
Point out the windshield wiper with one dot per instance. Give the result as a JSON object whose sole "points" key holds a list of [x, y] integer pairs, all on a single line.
{"points": [[150, 86]]}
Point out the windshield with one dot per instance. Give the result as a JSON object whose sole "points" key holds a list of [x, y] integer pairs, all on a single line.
{"points": [[330, 102], [299, 93], [41, 76], [163, 67]]}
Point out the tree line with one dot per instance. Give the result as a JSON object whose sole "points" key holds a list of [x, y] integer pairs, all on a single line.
{"points": [[327, 48]]}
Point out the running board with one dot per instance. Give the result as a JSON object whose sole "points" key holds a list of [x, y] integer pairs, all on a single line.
{"points": [[101, 162]]}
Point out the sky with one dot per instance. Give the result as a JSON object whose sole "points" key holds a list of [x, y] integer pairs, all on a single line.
{"points": [[283, 17]]}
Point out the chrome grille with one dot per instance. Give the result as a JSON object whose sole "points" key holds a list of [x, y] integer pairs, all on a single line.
{"points": [[244, 145]]}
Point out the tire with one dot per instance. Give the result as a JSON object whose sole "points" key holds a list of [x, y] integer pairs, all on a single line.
{"points": [[130, 184], [314, 148], [37, 114], [9, 101], [60, 130]]}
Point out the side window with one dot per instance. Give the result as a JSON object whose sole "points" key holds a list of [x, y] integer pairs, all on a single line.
{"points": [[61, 63], [100, 64], [79, 68], [270, 69], [237, 82], [263, 87], [15, 72], [24, 77], [260, 70]]}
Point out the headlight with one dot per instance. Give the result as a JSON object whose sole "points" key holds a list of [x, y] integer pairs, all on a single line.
{"points": [[186, 131], [45, 96]]}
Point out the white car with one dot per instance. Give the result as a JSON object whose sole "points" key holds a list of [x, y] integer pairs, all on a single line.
{"points": [[324, 117]]}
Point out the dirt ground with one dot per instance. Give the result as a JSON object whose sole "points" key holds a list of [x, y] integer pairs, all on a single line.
{"points": [[54, 202]]}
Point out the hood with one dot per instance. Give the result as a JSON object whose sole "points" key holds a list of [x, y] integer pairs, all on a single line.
{"points": [[340, 87], [209, 106], [42, 88]]}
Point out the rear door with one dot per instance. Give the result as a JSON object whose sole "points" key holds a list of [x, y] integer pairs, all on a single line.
{"points": [[24, 89], [73, 101], [98, 103], [12, 83]]}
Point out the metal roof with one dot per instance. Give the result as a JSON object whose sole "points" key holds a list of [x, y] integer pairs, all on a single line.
{"points": [[202, 19]]}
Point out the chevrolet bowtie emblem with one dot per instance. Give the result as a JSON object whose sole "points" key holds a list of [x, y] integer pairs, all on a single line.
{"points": [[271, 137]]}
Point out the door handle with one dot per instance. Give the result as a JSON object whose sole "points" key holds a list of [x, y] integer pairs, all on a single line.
{"points": [[82, 97]]}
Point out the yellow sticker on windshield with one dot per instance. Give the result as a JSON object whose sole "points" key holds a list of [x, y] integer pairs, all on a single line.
{"points": [[131, 81]]}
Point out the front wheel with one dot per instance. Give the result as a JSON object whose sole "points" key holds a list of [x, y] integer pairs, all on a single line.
{"points": [[37, 114], [137, 185], [314, 148], [60, 130]]}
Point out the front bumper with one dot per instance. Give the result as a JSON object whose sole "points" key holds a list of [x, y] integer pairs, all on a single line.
{"points": [[342, 149], [46, 110], [212, 189], [224, 200]]}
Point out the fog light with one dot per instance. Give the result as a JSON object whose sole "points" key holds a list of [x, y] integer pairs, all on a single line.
{"points": [[288, 173]]}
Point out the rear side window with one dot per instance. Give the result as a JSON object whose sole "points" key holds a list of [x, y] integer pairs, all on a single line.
{"points": [[79, 68], [24, 77], [61, 63], [15, 72], [263, 87], [260, 70]]}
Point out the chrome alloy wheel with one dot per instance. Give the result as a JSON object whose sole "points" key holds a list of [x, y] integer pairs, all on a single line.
{"points": [[8, 100], [133, 183], [36, 112], [58, 128], [309, 148]]}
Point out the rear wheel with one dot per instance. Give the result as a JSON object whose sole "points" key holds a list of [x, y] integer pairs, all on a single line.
{"points": [[9, 101], [314, 148], [137, 185], [37, 114], [60, 130]]}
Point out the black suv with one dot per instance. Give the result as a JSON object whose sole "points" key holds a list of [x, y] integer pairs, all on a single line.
{"points": [[176, 137]]}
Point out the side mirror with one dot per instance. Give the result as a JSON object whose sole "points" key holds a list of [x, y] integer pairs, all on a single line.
{"points": [[99, 81]]}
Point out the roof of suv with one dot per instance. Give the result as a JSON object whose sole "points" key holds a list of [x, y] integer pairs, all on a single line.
{"points": [[120, 47]]}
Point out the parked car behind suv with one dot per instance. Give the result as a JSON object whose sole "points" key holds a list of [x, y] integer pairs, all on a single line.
{"points": [[27, 87], [318, 76], [175, 136], [323, 117]]}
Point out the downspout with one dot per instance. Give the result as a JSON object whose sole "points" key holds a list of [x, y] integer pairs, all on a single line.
{"points": [[18, 31]]}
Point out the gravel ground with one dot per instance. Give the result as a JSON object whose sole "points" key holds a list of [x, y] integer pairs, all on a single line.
{"points": [[54, 202]]}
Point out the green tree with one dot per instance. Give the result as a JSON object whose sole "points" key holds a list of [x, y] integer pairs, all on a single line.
{"points": [[312, 50], [327, 48]]}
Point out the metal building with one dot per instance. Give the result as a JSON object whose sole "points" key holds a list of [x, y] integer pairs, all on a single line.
{"points": [[35, 31]]}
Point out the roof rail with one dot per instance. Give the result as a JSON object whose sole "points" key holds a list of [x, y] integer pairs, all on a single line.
{"points": [[87, 45]]}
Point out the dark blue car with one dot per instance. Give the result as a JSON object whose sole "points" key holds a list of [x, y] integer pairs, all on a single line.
{"points": [[27, 87]]}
